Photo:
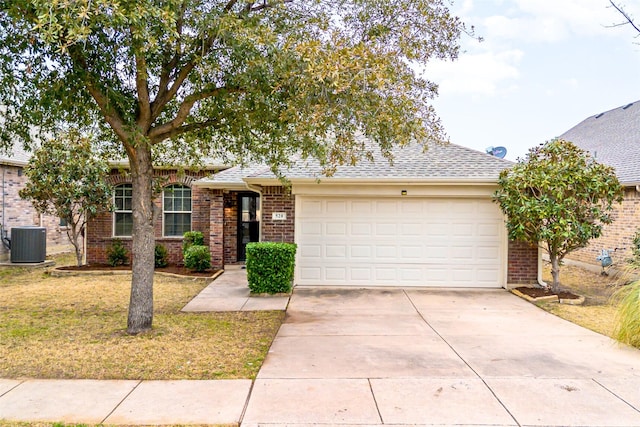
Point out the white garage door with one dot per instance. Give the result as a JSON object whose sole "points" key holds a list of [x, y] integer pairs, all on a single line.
{"points": [[399, 242]]}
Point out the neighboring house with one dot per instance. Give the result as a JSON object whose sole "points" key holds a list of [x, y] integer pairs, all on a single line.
{"points": [[426, 220], [613, 138], [16, 212]]}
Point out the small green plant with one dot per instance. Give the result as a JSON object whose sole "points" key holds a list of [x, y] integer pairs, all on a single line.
{"points": [[117, 254], [161, 256], [270, 267], [635, 249], [627, 329], [197, 257], [192, 238]]}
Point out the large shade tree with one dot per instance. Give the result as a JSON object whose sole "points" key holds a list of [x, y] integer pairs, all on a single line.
{"points": [[242, 80], [557, 198]]}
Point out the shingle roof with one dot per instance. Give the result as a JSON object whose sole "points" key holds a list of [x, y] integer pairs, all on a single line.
{"points": [[613, 138], [439, 163], [14, 156]]}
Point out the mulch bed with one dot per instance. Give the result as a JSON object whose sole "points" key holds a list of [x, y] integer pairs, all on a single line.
{"points": [[173, 269], [544, 292]]}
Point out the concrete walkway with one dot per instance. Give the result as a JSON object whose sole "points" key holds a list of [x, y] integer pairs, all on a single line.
{"points": [[373, 357]]}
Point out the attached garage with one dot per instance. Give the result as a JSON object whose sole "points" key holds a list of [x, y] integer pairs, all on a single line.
{"points": [[400, 241], [426, 219]]}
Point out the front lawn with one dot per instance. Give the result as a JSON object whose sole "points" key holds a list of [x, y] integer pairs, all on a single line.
{"points": [[598, 312], [74, 327]]}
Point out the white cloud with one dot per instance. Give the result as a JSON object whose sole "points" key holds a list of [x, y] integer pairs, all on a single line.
{"points": [[550, 20], [484, 73]]}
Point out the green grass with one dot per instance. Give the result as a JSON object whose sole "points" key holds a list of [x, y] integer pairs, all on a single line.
{"points": [[627, 328], [74, 327]]}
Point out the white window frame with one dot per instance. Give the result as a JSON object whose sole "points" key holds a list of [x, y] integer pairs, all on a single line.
{"points": [[121, 211], [165, 212]]}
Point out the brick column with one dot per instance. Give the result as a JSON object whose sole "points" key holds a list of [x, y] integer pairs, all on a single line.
{"points": [[216, 228], [522, 264]]}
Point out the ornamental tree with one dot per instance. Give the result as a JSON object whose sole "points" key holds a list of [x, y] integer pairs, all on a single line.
{"points": [[557, 198], [239, 80], [66, 179]]}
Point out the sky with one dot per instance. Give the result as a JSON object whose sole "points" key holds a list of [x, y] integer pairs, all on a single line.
{"points": [[543, 66]]}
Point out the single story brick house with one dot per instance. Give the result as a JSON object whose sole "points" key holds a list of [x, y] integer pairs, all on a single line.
{"points": [[17, 212], [427, 219], [613, 138]]}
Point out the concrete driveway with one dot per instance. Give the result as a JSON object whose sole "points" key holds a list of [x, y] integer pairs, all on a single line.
{"points": [[439, 357]]}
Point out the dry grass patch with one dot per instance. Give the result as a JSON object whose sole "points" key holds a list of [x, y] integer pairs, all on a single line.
{"points": [[598, 312], [74, 327]]}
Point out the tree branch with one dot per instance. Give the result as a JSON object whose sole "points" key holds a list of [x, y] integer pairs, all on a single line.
{"points": [[111, 116], [173, 132], [626, 16], [158, 133], [266, 5], [142, 86]]}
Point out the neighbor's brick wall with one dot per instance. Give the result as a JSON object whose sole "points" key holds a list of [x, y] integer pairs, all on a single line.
{"points": [[522, 264], [100, 228], [277, 199], [619, 234], [20, 213]]}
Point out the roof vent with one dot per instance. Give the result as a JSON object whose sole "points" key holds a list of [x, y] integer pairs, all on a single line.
{"points": [[599, 115], [627, 106]]}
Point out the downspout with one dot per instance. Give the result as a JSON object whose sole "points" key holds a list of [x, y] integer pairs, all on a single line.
{"points": [[540, 266], [258, 190], [84, 241]]}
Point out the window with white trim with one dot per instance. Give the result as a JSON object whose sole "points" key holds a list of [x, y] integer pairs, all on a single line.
{"points": [[176, 209], [122, 215]]}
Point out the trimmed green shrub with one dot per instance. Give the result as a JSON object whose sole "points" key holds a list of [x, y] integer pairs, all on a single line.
{"points": [[161, 256], [117, 254], [270, 267], [192, 238], [197, 257]]}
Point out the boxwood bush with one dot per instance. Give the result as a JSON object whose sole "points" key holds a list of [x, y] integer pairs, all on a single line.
{"points": [[192, 238], [270, 267], [197, 257]]}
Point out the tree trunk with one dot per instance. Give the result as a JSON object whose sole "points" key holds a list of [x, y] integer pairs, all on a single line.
{"points": [[141, 302], [555, 272], [73, 235]]}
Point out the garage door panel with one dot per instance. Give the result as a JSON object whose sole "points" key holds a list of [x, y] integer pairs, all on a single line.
{"points": [[336, 208], [406, 242], [361, 229], [336, 251]]}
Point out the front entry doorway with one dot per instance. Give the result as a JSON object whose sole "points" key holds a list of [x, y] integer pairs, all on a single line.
{"points": [[248, 222]]}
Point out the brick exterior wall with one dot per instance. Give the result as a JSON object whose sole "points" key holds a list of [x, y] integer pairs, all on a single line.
{"points": [[618, 234], [100, 228], [17, 212], [522, 264], [216, 228], [277, 199], [231, 228]]}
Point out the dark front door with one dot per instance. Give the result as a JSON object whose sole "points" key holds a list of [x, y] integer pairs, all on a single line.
{"points": [[248, 222]]}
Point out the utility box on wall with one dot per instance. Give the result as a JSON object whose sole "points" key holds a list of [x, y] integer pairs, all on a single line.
{"points": [[28, 244]]}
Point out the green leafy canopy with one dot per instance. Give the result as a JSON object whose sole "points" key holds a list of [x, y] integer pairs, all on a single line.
{"points": [[242, 80], [559, 197]]}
